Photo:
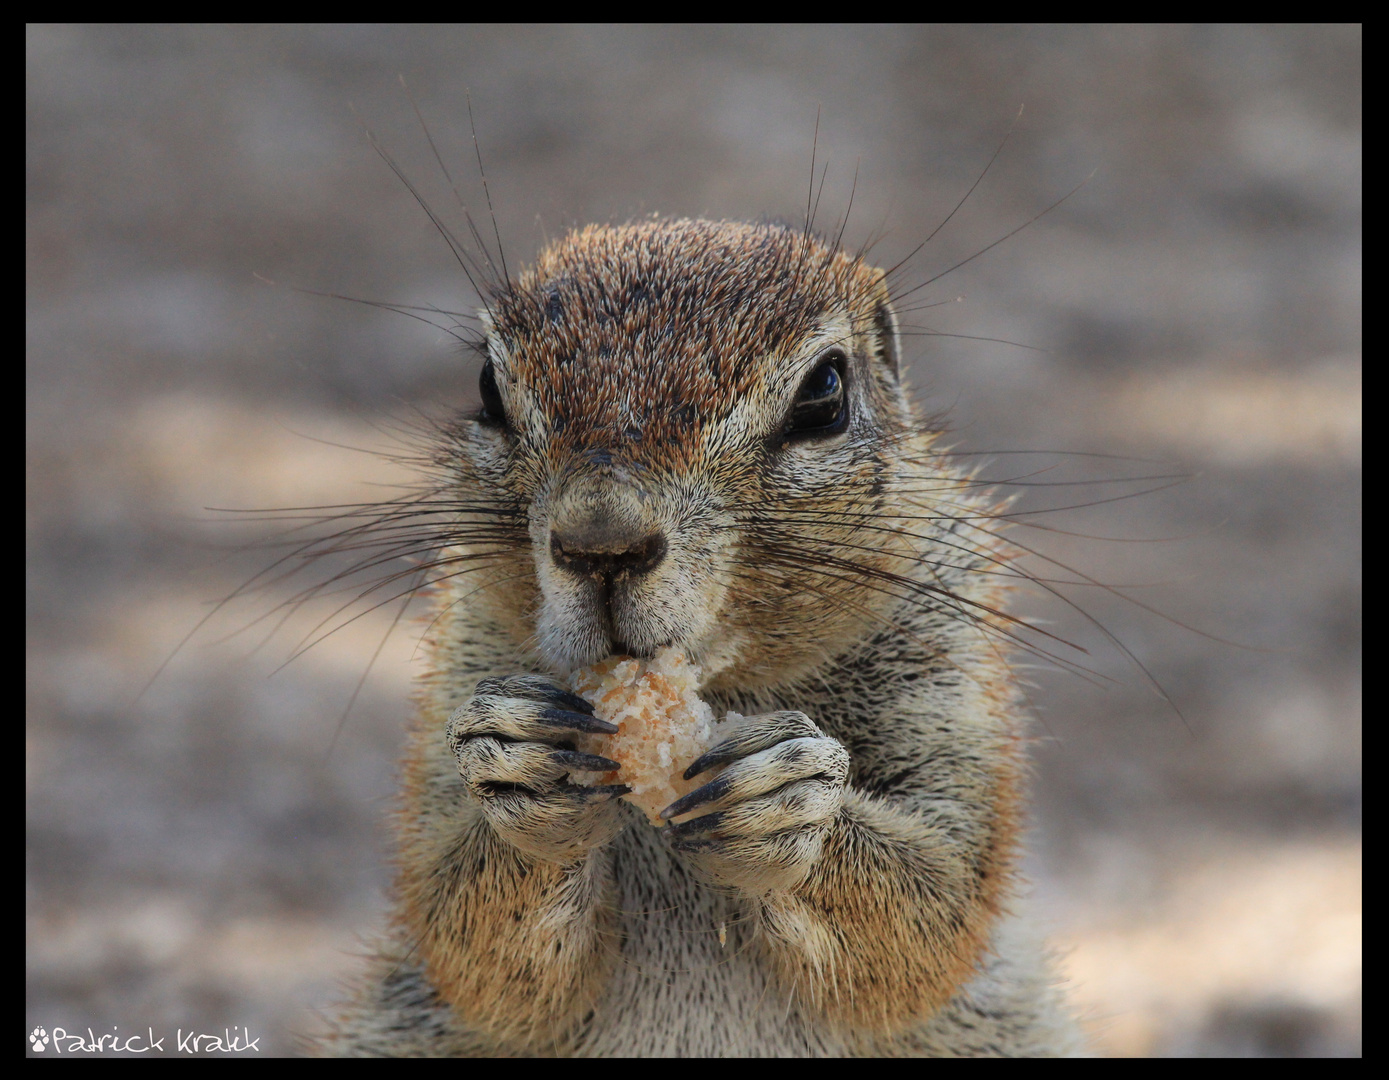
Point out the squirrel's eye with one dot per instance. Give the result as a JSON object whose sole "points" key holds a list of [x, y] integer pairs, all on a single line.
{"points": [[822, 405], [492, 408]]}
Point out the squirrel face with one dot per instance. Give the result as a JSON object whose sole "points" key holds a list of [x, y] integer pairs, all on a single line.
{"points": [[697, 428]]}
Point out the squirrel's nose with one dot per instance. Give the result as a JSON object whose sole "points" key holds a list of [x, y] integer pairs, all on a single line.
{"points": [[607, 549]]}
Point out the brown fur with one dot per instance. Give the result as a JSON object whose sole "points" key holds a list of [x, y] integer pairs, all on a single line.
{"points": [[844, 591]]}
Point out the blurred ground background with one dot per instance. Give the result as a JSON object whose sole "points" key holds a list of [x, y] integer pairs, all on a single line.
{"points": [[204, 856]]}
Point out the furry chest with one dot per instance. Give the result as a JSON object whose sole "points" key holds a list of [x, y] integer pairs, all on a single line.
{"points": [[676, 989]]}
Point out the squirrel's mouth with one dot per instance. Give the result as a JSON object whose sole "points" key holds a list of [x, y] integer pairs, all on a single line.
{"points": [[627, 630], [621, 648], [580, 626], [651, 595]]}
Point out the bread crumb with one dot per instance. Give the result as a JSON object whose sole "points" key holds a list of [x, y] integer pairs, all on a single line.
{"points": [[662, 726]]}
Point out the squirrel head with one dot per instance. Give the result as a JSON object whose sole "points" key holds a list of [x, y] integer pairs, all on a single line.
{"points": [[696, 429]]}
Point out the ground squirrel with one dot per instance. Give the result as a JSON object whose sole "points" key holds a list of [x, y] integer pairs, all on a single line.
{"points": [[696, 434]]}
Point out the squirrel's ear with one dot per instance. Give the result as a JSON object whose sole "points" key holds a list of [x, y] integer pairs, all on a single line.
{"points": [[885, 345]]}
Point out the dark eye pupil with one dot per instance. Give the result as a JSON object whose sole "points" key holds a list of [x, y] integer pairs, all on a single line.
{"points": [[820, 402], [492, 408], [823, 383]]}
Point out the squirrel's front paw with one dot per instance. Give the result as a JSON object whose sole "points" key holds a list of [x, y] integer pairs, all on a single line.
{"points": [[514, 742], [772, 805]]}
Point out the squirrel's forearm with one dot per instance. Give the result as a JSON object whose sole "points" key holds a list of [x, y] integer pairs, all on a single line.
{"points": [[888, 924], [518, 947]]}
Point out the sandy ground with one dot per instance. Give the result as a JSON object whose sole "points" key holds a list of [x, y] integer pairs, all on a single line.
{"points": [[203, 856]]}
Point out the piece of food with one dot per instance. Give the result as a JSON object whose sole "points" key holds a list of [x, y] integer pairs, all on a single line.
{"points": [[662, 726]]}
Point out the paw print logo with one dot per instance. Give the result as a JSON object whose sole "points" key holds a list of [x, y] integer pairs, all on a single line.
{"points": [[38, 1039]]}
